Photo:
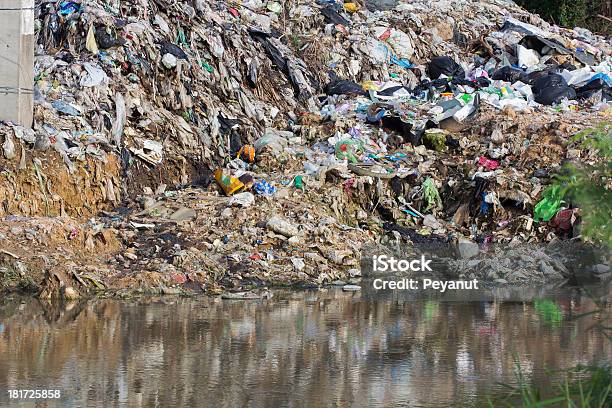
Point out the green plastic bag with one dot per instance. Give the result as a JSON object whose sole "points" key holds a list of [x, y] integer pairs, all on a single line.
{"points": [[431, 195], [348, 149], [549, 206]]}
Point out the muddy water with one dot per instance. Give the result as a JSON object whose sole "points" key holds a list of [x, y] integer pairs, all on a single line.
{"points": [[317, 348]]}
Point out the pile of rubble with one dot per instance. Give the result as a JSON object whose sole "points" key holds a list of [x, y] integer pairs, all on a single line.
{"points": [[230, 144]]}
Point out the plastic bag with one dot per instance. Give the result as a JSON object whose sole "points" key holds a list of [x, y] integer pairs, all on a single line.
{"points": [[590, 89], [527, 58], [431, 195], [348, 149], [8, 147], [548, 81], [555, 94], [444, 66], [339, 86], [333, 17], [551, 89], [549, 206], [508, 74], [276, 142]]}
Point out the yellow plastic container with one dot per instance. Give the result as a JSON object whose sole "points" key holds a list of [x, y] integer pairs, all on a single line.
{"points": [[230, 185]]}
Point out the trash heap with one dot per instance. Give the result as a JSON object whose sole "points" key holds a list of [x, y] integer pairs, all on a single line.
{"points": [[234, 143]]}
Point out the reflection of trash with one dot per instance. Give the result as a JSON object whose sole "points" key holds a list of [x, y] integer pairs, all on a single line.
{"points": [[549, 311]]}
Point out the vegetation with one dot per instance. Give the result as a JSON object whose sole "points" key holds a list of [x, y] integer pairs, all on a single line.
{"points": [[583, 387], [596, 15], [580, 387], [589, 186]]}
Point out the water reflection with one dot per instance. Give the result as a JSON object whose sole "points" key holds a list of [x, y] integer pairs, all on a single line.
{"points": [[297, 349]]}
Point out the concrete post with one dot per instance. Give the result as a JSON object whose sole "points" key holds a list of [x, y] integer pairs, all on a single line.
{"points": [[17, 61]]}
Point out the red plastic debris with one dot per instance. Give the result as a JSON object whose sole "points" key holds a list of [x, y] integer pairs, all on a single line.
{"points": [[385, 35], [488, 163], [256, 257]]}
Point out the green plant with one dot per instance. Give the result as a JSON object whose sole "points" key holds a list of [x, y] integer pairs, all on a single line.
{"points": [[582, 386], [591, 14], [589, 186]]}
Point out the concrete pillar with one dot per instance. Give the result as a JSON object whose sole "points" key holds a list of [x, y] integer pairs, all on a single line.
{"points": [[17, 61]]}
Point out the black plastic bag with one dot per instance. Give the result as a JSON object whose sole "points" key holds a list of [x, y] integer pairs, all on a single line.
{"points": [[444, 66], [106, 40], [551, 89], [168, 48], [555, 94], [332, 16], [548, 81], [390, 91], [508, 74], [441, 85], [339, 86], [590, 89]]}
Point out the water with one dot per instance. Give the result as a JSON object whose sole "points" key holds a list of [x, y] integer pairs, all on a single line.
{"points": [[313, 348]]}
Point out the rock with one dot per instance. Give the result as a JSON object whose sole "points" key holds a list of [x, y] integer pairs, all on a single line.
{"points": [[510, 112], [473, 263], [351, 288], [226, 213], [497, 136], [282, 227], [130, 255], [184, 214], [295, 240], [467, 249], [605, 277], [338, 283], [445, 30], [501, 281], [546, 268]]}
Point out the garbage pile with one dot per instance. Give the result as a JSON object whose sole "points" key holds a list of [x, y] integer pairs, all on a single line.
{"points": [[289, 133]]}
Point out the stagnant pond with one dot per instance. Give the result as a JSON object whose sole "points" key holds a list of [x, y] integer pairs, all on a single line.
{"points": [[305, 348]]}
